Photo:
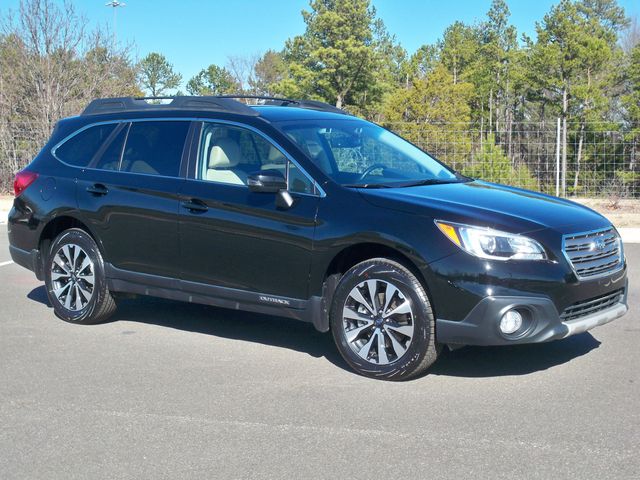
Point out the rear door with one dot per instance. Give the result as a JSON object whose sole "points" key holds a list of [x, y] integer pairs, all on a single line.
{"points": [[238, 239], [129, 195]]}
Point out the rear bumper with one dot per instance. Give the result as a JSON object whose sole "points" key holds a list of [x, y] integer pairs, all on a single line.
{"points": [[29, 259], [543, 322]]}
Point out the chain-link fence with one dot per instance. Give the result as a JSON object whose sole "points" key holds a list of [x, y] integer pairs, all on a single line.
{"points": [[19, 143], [600, 160], [597, 159]]}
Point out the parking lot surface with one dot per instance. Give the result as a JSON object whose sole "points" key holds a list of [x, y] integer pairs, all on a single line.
{"points": [[172, 390]]}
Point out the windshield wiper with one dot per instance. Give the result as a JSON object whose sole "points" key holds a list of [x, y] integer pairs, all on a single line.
{"points": [[367, 185], [430, 181]]}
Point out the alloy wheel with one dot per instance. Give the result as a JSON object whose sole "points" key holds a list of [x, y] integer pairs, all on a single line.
{"points": [[72, 277], [378, 321]]}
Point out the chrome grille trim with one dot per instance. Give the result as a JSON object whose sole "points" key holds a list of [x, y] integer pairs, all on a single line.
{"points": [[587, 260], [593, 305]]}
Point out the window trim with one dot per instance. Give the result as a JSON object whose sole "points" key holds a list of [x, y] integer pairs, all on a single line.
{"points": [[187, 147], [187, 141], [193, 171], [79, 131]]}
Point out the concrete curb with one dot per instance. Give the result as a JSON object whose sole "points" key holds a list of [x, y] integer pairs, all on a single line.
{"points": [[630, 235]]}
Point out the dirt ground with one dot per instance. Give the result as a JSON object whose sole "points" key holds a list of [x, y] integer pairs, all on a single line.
{"points": [[622, 212]]}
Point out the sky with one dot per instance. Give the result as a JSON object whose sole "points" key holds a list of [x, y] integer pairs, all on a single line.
{"points": [[193, 34]]}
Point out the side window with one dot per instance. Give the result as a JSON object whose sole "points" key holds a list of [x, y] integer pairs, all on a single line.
{"points": [[154, 148], [110, 158], [80, 149], [229, 154]]}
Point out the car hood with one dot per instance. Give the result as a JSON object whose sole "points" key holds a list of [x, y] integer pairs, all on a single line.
{"points": [[487, 204]]}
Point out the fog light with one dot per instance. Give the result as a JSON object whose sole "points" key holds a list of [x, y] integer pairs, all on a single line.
{"points": [[511, 322]]}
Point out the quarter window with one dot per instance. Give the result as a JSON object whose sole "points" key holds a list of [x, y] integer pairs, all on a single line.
{"points": [[80, 149], [155, 148]]}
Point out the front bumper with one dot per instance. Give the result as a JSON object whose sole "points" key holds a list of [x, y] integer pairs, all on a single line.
{"points": [[543, 322]]}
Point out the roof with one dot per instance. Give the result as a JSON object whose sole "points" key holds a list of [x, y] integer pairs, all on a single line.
{"points": [[218, 104], [279, 113]]}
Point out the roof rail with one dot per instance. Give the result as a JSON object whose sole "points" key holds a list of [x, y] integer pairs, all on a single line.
{"points": [[220, 103], [131, 104], [285, 102]]}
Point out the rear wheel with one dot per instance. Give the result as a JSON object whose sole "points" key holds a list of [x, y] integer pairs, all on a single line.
{"points": [[75, 280], [382, 321]]}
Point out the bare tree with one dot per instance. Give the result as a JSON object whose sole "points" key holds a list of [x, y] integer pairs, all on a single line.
{"points": [[242, 68], [50, 67]]}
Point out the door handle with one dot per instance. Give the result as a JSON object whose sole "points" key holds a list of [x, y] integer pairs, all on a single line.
{"points": [[195, 206], [97, 189]]}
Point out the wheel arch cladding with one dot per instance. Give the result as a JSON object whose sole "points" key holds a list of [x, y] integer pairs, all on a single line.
{"points": [[56, 226], [359, 252]]}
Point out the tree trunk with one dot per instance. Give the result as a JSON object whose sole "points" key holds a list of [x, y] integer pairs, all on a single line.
{"points": [[491, 110], [578, 158], [481, 124], [339, 101], [564, 141]]}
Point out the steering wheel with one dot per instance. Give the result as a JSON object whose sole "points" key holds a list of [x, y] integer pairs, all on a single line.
{"points": [[370, 169]]}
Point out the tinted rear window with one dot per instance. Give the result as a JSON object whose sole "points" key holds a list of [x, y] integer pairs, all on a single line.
{"points": [[80, 149], [155, 148]]}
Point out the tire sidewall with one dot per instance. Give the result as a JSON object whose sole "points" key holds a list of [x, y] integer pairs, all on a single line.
{"points": [[422, 318], [83, 240]]}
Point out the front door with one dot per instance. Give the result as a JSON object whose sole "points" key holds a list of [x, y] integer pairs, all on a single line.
{"points": [[231, 237]]}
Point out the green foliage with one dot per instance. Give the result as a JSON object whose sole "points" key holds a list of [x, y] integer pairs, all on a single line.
{"points": [[269, 70], [338, 58], [493, 165], [459, 49], [213, 80], [574, 53], [631, 100], [156, 75], [427, 105]]}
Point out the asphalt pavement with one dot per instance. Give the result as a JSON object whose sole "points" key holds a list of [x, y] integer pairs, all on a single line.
{"points": [[172, 390]]}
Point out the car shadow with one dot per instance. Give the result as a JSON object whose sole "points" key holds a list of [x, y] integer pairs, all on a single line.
{"points": [[233, 324], [513, 359], [471, 362]]}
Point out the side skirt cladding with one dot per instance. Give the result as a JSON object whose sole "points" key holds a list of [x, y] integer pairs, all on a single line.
{"points": [[125, 281]]}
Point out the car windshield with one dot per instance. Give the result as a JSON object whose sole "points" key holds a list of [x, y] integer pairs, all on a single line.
{"points": [[357, 153]]}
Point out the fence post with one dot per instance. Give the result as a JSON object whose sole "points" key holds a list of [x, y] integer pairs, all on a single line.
{"points": [[558, 158]]}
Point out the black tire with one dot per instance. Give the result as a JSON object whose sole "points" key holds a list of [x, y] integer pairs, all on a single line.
{"points": [[100, 304], [422, 350]]}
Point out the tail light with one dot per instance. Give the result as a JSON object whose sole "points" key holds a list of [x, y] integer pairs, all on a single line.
{"points": [[23, 179]]}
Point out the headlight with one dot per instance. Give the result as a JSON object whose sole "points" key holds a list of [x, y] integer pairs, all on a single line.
{"points": [[492, 244]]}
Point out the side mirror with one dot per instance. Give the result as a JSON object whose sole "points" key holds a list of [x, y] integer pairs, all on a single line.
{"points": [[266, 181]]}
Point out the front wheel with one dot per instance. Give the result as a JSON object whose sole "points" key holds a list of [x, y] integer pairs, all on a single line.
{"points": [[75, 279], [382, 321]]}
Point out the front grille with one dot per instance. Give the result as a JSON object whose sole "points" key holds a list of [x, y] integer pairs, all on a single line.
{"points": [[594, 253], [593, 305]]}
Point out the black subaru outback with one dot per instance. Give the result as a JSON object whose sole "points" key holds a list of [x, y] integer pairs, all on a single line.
{"points": [[297, 209]]}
